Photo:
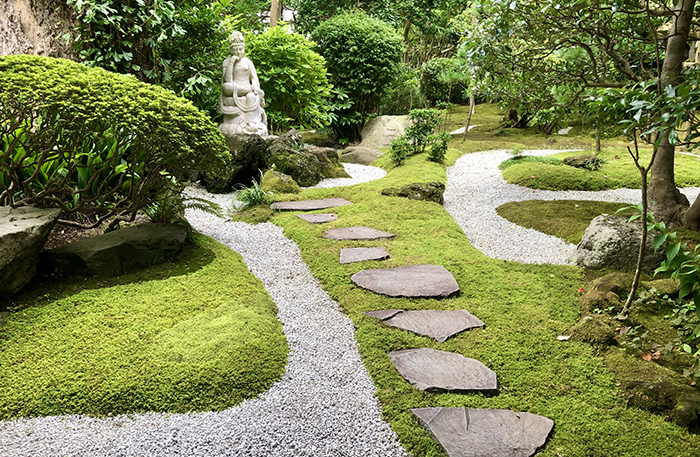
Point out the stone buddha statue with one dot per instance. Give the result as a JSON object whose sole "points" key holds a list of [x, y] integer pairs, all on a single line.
{"points": [[241, 100]]}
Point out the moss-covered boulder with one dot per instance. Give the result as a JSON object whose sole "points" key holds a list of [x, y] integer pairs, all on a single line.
{"points": [[428, 191], [279, 183], [582, 161], [595, 330], [307, 166], [665, 286], [249, 154]]}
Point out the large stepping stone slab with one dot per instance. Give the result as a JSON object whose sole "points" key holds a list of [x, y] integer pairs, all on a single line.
{"points": [[485, 432], [318, 218], [356, 233], [384, 314], [310, 205], [410, 281], [439, 371], [437, 324], [350, 255]]}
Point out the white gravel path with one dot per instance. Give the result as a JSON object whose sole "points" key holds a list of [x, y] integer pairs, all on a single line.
{"points": [[475, 188], [323, 406], [358, 174]]}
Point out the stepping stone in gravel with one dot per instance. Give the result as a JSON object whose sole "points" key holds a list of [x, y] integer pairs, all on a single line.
{"points": [[411, 281], [318, 218], [310, 205], [485, 432], [356, 233], [437, 324], [439, 371], [350, 255]]}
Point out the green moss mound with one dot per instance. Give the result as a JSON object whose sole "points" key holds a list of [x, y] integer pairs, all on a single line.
{"points": [[197, 334], [617, 171], [279, 183]]}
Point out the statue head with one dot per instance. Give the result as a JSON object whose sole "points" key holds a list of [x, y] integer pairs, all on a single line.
{"points": [[236, 44]]}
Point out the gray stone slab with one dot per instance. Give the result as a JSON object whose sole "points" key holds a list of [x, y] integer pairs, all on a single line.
{"points": [[356, 233], [310, 205], [318, 218], [384, 314], [410, 281], [439, 371], [437, 324], [350, 255], [485, 432]]}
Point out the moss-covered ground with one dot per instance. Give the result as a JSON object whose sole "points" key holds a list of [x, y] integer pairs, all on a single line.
{"points": [[618, 171], [198, 333], [525, 308]]}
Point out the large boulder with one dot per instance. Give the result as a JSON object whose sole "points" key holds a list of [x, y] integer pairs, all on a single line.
{"points": [[279, 183], [118, 252], [360, 154], [381, 130], [249, 155], [613, 242], [307, 166], [428, 191], [23, 233]]}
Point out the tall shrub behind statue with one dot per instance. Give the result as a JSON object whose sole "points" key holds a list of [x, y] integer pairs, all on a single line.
{"points": [[293, 77], [362, 54]]}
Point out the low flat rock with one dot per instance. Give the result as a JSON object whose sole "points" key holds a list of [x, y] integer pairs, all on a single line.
{"points": [[350, 255], [318, 218], [437, 324], [485, 432], [310, 205], [384, 314], [356, 233], [410, 281], [439, 371]]}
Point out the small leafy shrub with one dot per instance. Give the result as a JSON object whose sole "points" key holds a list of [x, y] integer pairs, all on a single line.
{"points": [[517, 151], [96, 144], [400, 150], [293, 77], [438, 147], [248, 197], [433, 87], [171, 208], [423, 124], [362, 54]]}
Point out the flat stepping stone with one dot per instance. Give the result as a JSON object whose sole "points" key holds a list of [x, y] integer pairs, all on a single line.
{"points": [[350, 255], [437, 324], [485, 432], [318, 218], [384, 314], [410, 281], [356, 233], [310, 205], [439, 371]]}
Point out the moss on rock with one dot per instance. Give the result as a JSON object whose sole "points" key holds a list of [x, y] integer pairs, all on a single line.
{"points": [[594, 330], [279, 183]]}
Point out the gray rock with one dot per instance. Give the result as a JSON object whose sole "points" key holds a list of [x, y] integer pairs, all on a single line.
{"points": [[118, 252], [356, 233], [318, 218], [249, 155], [360, 154], [437, 324], [428, 191], [350, 255], [485, 432], [23, 233], [384, 314], [410, 281], [310, 205], [612, 242], [381, 130], [439, 371]]}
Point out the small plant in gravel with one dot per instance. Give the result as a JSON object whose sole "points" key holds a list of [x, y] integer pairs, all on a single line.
{"points": [[517, 151], [248, 197]]}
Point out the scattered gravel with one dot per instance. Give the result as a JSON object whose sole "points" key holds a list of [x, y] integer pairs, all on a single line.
{"points": [[358, 173], [324, 405], [475, 188]]}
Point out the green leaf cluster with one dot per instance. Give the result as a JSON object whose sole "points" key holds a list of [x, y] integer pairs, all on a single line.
{"points": [[96, 143]]}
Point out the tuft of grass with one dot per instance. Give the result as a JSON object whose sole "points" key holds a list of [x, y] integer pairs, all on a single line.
{"points": [[566, 219], [524, 159], [248, 197], [617, 171], [197, 334]]}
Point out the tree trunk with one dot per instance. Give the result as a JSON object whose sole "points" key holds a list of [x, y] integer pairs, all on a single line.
{"points": [[665, 200], [275, 12]]}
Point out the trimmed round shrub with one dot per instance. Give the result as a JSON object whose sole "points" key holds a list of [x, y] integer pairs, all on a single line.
{"points": [[96, 143], [293, 77], [362, 54]]}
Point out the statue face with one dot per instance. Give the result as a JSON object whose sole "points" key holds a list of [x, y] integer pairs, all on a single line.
{"points": [[237, 49]]}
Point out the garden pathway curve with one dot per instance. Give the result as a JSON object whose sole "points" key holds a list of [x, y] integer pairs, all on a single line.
{"points": [[475, 188]]}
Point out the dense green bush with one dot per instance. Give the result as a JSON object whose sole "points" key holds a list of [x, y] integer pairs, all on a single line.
{"points": [[404, 94], [362, 54], [434, 86], [423, 125], [93, 143], [293, 77]]}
